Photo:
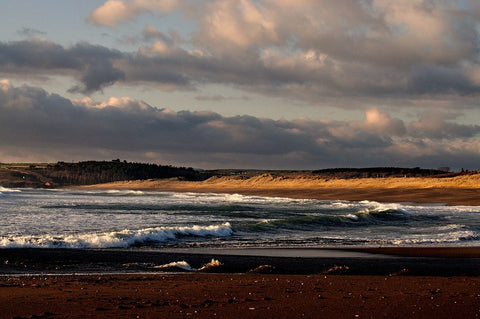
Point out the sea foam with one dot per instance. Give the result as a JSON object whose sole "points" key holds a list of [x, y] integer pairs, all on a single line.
{"points": [[117, 239], [4, 190]]}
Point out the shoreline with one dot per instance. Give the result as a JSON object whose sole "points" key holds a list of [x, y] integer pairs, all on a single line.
{"points": [[330, 282], [412, 261], [463, 190]]}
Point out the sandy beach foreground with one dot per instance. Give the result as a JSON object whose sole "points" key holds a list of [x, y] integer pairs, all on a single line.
{"points": [[238, 296], [310, 283]]}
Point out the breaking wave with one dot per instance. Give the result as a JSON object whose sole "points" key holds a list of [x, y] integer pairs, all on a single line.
{"points": [[364, 217], [4, 190], [118, 239]]}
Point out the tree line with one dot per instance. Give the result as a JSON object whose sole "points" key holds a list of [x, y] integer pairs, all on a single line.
{"points": [[95, 172]]}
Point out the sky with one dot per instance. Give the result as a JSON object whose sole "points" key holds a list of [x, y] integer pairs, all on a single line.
{"points": [[268, 84]]}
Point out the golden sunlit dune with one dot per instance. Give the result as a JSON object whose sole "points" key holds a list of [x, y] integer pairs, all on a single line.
{"points": [[458, 190], [299, 181]]}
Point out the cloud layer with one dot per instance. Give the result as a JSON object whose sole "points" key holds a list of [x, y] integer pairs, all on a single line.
{"points": [[44, 124], [417, 58], [313, 49], [320, 52]]}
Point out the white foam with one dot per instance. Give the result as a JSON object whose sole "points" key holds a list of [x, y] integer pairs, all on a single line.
{"points": [[379, 207], [4, 190], [352, 217], [124, 192], [176, 264], [186, 266], [214, 263], [118, 239], [453, 237]]}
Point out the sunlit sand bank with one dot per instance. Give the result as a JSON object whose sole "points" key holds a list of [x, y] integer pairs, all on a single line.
{"points": [[460, 190]]}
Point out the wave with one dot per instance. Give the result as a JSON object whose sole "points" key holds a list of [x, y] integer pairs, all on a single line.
{"points": [[127, 192], [118, 239], [176, 264], [454, 237], [4, 190], [314, 222], [235, 198], [183, 265]]}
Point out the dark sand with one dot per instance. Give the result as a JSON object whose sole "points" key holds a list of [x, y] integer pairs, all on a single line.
{"points": [[364, 284], [239, 296]]}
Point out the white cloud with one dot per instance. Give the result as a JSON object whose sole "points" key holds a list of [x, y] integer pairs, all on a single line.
{"points": [[114, 12]]}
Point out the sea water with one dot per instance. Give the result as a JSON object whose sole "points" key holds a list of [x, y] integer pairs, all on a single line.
{"points": [[121, 218]]}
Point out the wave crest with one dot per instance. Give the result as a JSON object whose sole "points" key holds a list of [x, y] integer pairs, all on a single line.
{"points": [[118, 239], [4, 190]]}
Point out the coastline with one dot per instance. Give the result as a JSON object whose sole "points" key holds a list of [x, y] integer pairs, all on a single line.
{"points": [[461, 190], [393, 282], [383, 261]]}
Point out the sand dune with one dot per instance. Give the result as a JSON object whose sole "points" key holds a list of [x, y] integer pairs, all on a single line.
{"points": [[459, 190], [265, 181]]}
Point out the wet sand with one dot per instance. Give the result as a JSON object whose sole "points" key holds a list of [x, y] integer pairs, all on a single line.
{"points": [[239, 296], [287, 283]]}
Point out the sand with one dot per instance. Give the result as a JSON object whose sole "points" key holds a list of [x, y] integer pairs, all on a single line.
{"points": [[238, 296], [460, 190], [335, 285]]}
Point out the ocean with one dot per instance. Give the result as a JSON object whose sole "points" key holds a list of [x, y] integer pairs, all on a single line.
{"points": [[38, 218]]}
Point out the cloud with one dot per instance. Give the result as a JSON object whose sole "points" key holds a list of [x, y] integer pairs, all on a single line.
{"points": [[220, 98], [374, 55], [30, 32], [438, 125], [48, 126], [342, 54], [151, 33], [91, 64], [314, 51], [114, 12]]}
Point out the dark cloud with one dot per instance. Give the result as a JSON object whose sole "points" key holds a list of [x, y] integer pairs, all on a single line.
{"points": [[30, 32], [46, 123], [309, 75], [437, 80], [98, 74], [93, 65], [220, 98]]}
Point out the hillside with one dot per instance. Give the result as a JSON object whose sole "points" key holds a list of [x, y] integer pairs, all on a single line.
{"points": [[63, 174], [85, 173]]}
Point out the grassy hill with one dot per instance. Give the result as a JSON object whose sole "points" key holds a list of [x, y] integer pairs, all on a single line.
{"points": [[85, 173], [96, 172]]}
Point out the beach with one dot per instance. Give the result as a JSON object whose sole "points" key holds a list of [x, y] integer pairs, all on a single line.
{"points": [[310, 282], [340, 284], [459, 190], [238, 296]]}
